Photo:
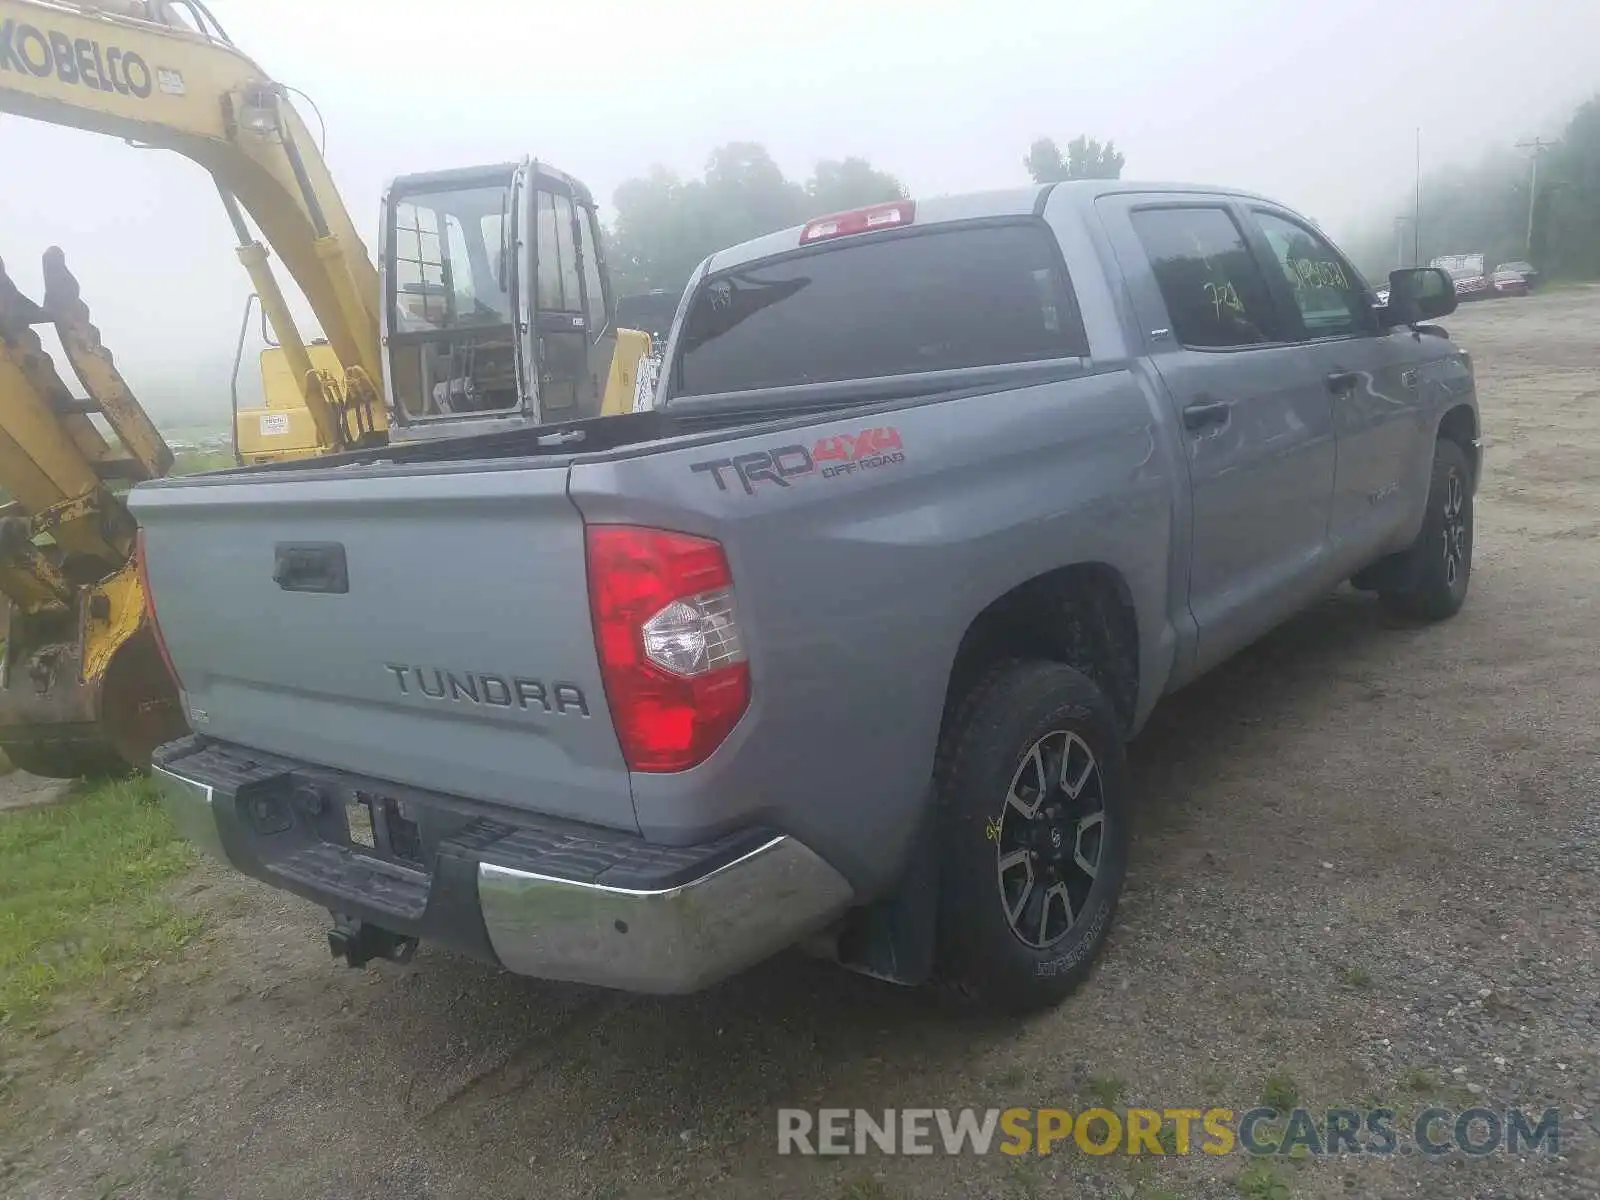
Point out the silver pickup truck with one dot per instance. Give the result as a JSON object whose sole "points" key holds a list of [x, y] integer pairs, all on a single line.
{"points": [[840, 643]]}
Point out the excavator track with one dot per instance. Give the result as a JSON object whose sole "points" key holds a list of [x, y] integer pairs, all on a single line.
{"points": [[83, 690]]}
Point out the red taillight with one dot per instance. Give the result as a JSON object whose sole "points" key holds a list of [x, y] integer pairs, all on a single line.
{"points": [[859, 220], [150, 606], [671, 657]]}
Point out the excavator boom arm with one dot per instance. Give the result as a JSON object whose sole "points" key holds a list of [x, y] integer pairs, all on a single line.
{"points": [[168, 86]]}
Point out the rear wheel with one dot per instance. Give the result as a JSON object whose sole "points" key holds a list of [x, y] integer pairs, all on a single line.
{"points": [[1440, 561], [1032, 794]]}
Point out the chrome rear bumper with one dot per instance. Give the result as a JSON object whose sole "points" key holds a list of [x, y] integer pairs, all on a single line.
{"points": [[666, 940], [189, 804], [679, 939]]}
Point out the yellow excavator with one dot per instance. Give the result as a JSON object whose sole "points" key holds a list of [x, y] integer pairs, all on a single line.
{"points": [[492, 310]]}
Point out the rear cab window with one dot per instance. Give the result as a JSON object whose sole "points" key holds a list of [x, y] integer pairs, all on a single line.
{"points": [[937, 298]]}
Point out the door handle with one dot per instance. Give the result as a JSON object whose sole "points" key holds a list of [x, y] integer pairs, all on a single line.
{"points": [[311, 567], [1343, 381], [1199, 416]]}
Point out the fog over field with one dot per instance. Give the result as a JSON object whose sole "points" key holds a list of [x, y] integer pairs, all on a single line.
{"points": [[1317, 107]]}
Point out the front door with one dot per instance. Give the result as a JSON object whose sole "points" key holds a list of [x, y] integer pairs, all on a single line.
{"points": [[1255, 417], [1370, 372]]}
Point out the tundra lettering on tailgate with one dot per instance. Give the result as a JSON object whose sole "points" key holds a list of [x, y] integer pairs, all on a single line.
{"points": [[828, 458], [494, 691]]}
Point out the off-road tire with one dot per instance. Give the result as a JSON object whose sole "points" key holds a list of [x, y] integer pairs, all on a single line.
{"points": [[1441, 558], [987, 750]]}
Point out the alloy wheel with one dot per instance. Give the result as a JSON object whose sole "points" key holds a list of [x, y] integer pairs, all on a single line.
{"points": [[1051, 836]]}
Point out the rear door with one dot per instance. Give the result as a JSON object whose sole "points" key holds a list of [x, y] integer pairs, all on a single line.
{"points": [[1255, 416], [424, 626], [1371, 374]]}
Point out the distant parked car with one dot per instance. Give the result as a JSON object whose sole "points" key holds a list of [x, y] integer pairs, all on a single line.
{"points": [[1529, 273], [1467, 272], [1507, 282]]}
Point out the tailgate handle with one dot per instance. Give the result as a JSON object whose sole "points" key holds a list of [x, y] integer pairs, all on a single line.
{"points": [[310, 567]]}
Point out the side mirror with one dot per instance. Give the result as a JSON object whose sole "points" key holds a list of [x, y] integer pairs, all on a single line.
{"points": [[1419, 294]]}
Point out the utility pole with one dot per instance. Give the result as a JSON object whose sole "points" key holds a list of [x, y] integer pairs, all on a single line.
{"points": [[1400, 223], [1416, 215], [1538, 146]]}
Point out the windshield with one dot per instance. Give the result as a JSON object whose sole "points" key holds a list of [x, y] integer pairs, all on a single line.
{"points": [[447, 260], [452, 347]]}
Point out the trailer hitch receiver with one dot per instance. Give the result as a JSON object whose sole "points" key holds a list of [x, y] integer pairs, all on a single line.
{"points": [[359, 942]]}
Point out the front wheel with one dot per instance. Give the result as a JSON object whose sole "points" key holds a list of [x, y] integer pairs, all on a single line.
{"points": [[1032, 795], [1441, 557]]}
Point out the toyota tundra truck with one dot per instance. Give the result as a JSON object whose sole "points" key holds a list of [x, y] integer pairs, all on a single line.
{"points": [[840, 644]]}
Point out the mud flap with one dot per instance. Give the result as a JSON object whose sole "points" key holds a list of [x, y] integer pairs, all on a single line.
{"points": [[894, 937]]}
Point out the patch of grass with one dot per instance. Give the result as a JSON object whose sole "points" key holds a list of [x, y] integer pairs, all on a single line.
{"points": [[1421, 1080], [80, 897], [1358, 977], [192, 462], [1105, 1090], [1261, 1180], [1280, 1091]]}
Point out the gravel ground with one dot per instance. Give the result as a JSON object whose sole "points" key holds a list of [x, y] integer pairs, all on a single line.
{"points": [[1366, 870]]}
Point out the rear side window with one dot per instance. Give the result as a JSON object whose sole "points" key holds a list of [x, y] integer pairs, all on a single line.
{"points": [[972, 296], [1215, 292]]}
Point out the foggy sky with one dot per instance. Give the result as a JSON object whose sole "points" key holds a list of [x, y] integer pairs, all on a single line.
{"points": [[1316, 105]]}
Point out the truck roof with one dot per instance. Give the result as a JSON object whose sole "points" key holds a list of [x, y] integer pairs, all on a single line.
{"points": [[968, 206]]}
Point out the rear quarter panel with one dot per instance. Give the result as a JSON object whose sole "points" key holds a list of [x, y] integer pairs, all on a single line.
{"points": [[855, 588]]}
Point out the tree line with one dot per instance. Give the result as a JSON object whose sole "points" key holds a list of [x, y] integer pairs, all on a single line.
{"points": [[665, 224], [1502, 207]]}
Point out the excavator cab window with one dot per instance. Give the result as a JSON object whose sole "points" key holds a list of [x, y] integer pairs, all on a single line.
{"points": [[564, 389], [452, 332], [575, 341]]}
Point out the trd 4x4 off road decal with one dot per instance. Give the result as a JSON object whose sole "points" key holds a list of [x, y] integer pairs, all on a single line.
{"points": [[829, 458]]}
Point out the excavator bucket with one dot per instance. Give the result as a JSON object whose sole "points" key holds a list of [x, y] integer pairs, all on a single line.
{"points": [[82, 686]]}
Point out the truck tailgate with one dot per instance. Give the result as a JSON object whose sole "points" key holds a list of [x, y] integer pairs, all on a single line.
{"points": [[459, 655]]}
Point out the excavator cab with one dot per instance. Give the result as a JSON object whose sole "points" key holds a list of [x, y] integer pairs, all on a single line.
{"points": [[497, 309]]}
